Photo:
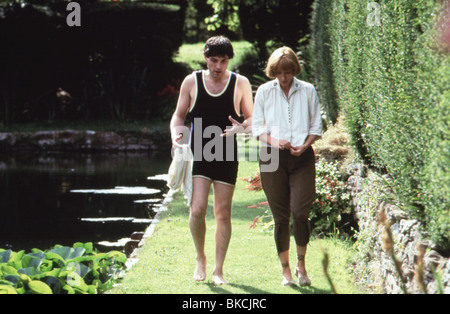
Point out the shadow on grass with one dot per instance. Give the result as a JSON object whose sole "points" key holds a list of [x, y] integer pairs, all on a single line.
{"points": [[222, 289], [310, 290], [252, 290]]}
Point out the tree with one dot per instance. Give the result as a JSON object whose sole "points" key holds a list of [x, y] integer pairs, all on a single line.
{"points": [[283, 22]]}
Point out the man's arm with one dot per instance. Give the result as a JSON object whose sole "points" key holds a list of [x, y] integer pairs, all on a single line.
{"points": [[181, 111], [245, 100], [246, 104]]}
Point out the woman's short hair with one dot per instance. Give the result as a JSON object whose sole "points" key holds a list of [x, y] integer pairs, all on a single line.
{"points": [[218, 46], [285, 59]]}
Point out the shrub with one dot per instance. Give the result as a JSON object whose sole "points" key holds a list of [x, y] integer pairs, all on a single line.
{"points": [[322, 60], [329, 210], [392, 86], [112, 65], [61, 270]]}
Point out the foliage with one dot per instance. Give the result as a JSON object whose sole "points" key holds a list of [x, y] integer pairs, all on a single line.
{"points": [[108, 68], [61, 270], [195, 27], [254, 182], [330, 210], [332, 199], [225, 13], [322, 60], [391, 81], [283, 22]]}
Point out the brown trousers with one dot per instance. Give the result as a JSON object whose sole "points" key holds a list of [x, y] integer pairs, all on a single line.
{"points": [[291, 189]]}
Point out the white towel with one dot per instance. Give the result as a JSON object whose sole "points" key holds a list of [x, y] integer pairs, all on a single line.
{"points": [[180, 172]]}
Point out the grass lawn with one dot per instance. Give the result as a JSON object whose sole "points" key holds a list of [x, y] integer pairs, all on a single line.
{"points": [[167, 259], [193, 54]]}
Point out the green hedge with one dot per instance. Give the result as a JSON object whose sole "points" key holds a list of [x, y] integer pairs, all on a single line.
{"points": [[393, 83]]}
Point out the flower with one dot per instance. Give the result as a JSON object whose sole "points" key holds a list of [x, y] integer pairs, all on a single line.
{"points": [[253, 225], [168, 91]]}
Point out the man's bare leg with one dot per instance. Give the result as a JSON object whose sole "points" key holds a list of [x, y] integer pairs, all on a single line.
{"points": [[197, 224], [223, 195]]}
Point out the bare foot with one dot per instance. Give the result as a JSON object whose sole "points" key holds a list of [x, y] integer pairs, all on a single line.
{"points": [[303, 279], [300, 272], [288, 282], [200, 270], [287, 277], [218, 279]]}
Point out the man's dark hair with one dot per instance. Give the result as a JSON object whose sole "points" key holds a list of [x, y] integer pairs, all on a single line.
{"points": [[218, 46]]}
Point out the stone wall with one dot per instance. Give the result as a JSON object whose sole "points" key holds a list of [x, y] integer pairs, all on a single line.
{"points": [[371, 196], [85, 141]]}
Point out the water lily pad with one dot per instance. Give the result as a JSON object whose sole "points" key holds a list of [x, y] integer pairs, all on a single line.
{"points": [[118, 219], [159, 177], [121, 190], [149, 201], [118, 243]]}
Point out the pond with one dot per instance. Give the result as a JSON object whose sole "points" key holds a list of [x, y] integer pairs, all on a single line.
{"points": [[63, 198]]}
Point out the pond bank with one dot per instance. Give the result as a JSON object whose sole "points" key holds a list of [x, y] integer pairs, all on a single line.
{"points": [[86, 141]]}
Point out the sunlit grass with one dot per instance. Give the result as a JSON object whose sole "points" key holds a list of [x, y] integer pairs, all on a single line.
{"points": [[167, 259], [192, 54]]}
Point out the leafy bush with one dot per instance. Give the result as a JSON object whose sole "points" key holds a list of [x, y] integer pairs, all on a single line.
{"points": [[322, 60], [392, 85], [111, 66], [332, 199], [329, 212], [61, 270]]}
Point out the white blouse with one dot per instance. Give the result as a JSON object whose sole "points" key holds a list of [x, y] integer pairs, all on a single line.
{"points": [[291, 118]]}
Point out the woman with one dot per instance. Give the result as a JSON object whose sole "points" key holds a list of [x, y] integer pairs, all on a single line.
{"points": [[287, 120]]}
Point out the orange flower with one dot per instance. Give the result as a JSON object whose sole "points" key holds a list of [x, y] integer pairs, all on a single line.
{"points": [[253, 225]]}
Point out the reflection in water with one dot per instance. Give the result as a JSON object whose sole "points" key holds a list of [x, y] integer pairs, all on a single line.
{"points": [[66, 198]]}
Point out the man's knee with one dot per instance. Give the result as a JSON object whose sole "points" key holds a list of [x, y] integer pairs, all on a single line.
{"points": [[198, 211], [222, 213]]}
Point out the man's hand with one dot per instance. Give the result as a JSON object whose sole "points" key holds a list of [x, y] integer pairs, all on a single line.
{"points": [[176, 140], [236, 128]]}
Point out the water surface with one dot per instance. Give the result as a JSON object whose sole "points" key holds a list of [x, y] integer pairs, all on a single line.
{"points": [[63, 198]]}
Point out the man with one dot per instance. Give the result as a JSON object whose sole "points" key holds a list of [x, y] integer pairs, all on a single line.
{"points": [[215, 99]]}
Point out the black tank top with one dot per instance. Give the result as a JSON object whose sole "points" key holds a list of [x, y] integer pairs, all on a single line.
{"points": [[213, 111]]}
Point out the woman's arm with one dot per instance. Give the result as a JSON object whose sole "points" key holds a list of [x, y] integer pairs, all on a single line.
{"points": [[297, 151]]}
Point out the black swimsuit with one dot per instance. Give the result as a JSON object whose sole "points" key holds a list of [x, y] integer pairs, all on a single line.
{"points": [[215, 157]]}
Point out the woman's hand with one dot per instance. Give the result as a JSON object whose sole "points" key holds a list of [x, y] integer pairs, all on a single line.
{"points": [[283, 144], [298, 150], [273, 142]]}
